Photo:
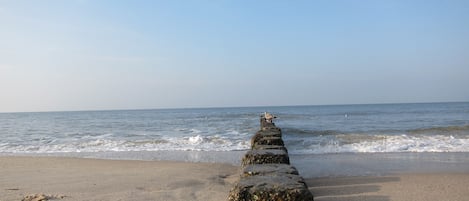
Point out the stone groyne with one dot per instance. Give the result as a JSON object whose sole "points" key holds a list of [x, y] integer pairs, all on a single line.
{"points": [[266, 173]]}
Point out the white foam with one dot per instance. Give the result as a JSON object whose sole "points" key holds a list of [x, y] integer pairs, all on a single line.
{"points": [[195, 139], [193, 143], [232, 140], [382, 144]]}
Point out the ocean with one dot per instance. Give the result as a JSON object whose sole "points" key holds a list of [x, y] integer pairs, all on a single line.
{"points": [[311, 133]]}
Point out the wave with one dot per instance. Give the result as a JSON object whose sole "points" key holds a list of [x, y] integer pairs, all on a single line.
{"points": [[442, 130], [300, 141], [190, 143], [295, 131], [378, 144], [341, 143], [434, 139]]}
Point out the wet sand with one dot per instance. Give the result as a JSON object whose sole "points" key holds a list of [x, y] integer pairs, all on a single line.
{"points": [[399, 187], [94, 179]]}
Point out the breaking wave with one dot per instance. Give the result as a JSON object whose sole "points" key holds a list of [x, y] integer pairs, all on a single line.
{"points": [[435, 139], [357, 143], [442, 127], [191, 143]]}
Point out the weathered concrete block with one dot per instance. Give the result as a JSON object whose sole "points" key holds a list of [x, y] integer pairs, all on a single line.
{"points": [[268, 141], [268, 169], [270, 133], [261, 134], [280, 187], [270, 128], [266, 173], [261, 147], [265, 123], [265, 156]]}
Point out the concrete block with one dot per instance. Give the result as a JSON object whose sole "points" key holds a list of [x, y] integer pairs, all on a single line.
{"points": [[268, 169], [280, 187], [261, 147], [265, 156], [268, 141]]}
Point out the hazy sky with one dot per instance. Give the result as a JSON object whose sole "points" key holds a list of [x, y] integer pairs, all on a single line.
{"points": [[108, 54]]}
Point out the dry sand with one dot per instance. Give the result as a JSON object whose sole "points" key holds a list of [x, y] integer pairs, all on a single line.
{"points": [[92, 179]]}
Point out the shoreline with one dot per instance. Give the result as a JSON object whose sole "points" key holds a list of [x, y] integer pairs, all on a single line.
{"points": [[396, 187], [379, 164], [309, 165], [101, 179], [104, 179], [227, 157]]}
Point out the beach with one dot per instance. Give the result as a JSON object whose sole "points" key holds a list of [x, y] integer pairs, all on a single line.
{"points": [[64, 178], [95, 179], [344, 152], [397, 187]]}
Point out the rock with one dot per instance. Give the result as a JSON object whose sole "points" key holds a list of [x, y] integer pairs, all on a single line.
{"points": [[264, 123], [270, 133], [268, 141], [261, 147], [268, 169], [270, 128], [261, 134], [284, 187], [265, 156], [267, 174]]}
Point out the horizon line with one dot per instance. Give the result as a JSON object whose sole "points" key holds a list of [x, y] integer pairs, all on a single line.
{"points": [[228, 107]]}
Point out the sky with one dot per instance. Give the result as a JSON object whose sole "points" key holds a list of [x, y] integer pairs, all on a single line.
{"points": [[62, 55]]}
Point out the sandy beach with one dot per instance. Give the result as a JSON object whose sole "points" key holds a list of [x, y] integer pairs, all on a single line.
{"points": [[92, 179], [95, 179], [399, 187]]}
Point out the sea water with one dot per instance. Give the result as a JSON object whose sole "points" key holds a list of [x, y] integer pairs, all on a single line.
{"points": [[311, 133]]}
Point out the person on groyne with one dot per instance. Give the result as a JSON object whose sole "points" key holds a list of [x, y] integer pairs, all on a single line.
{"points": [[266, 173]]}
